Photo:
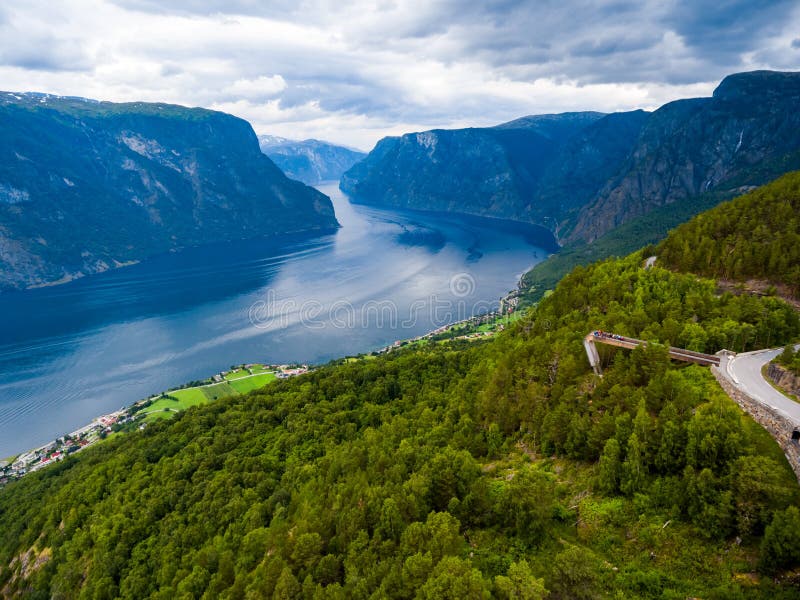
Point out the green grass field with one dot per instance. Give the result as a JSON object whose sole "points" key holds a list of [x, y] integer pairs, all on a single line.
{"points": [[217, 391], [189, 397], [156, 416], [240, 382], [237, 374], [243, 386], [242, 373], [164, 408], [184, 399]]}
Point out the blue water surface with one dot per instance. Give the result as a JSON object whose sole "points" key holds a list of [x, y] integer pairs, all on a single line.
{"points": [[72, 352]]}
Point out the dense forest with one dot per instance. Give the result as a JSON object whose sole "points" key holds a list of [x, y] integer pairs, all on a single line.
{"points": [[501, 468], [450, 471], [620, 241], [755, 236]]}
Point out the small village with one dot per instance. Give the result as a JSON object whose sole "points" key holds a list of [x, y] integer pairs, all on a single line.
{"points": [[477, 327], [128, 418], [136, 415]]}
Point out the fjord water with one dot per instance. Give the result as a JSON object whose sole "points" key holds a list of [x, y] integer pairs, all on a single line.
{"points": [[70, 353]]}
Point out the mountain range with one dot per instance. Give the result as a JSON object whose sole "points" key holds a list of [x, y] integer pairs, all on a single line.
{"points": [[86, 186], [583, 174], [309, 161]]}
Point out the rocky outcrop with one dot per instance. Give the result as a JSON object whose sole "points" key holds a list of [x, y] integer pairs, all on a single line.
{"points": [[745, 135], [534, 169], [583, 174], [784, 379], [87, 186]]}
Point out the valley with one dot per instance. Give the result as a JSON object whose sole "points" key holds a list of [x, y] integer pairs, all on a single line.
{"points": [[541, 342], [470, 462], [109, 340]]}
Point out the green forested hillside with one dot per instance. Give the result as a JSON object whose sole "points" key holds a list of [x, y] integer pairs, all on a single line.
{"points": [[503, 468], [620, 241], [755, 236], [790, 358]]}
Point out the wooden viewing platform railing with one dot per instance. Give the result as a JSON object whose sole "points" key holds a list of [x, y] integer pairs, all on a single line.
{"points": [[621, 341]]}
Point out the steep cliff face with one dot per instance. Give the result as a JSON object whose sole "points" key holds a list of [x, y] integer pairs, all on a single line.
{"points": [[586, 162], [309, 161], [470, 171], [744, 135], [518, 170], [86, 186], [583, 174]]}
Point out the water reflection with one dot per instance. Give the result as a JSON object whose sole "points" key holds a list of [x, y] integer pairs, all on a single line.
{"points": [[71, 352]]}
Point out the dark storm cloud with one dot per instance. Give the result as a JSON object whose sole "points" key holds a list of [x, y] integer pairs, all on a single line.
{"points": [[720, 27], [374, 65], [585, 41], [593, 42]]}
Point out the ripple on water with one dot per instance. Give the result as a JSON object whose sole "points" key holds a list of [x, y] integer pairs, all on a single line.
{"points": [[72, 352]]}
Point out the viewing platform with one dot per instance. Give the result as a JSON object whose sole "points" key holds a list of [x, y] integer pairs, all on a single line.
{"points": [[621, 341]]}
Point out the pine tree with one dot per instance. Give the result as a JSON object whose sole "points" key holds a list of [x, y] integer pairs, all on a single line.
{"points": [[781, 546], [610, 467], [633, 469]]}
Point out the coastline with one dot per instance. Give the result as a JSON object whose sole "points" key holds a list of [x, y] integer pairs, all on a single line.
{"points": [[104, 267], [125, 419]]}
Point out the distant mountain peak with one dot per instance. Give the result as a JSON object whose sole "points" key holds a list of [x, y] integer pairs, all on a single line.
{"points": [[558, 127], [310, 161], [516, 170], [41, 98], [582, 174], [534, 120], [266, 140]]}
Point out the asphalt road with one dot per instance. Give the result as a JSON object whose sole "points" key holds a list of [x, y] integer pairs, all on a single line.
{"points": [[745, 371]]}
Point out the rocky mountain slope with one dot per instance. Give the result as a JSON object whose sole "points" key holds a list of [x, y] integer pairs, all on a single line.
{"points": [[515, 171], [744, 135], [599, 171], [309, 161], [86, 186]]}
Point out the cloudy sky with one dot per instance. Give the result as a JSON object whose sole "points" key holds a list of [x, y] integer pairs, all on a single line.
{"points": [[353, 72]]}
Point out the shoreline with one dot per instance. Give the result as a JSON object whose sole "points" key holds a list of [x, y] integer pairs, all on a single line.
{"points": [[116, 265], [17, 466], [30, 461]]}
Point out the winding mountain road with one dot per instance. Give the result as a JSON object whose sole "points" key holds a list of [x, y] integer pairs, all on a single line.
{"points": [[745, 371]]}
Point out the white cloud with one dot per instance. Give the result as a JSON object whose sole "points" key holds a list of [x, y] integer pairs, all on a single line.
{"points": [[352, 72], [260, 87]]}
